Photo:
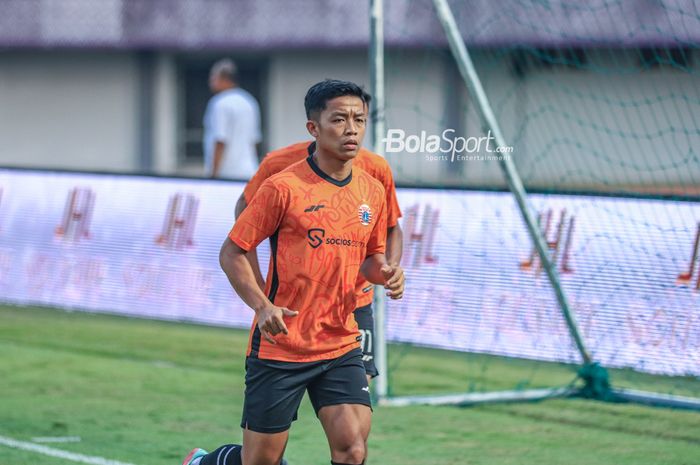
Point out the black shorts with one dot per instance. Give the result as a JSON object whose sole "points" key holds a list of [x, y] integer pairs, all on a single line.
{"points": [[365, 321], [274, 389]]}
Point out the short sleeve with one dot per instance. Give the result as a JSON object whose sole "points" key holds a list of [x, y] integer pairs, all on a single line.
{"points": [[377, 239], [257, 180], [261, 218]]}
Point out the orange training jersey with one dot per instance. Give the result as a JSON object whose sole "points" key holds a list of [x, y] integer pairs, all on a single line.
{"points": [[375, 165], [320, 230]]}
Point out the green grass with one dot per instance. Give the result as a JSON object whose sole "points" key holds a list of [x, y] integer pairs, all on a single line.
{"points": [[414, 371], [145, 392]]}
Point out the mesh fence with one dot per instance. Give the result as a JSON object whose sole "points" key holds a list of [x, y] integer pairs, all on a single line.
{"points": [[605, 140]]}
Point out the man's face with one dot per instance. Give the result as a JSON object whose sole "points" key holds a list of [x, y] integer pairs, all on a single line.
{"points": [[340, 127]]}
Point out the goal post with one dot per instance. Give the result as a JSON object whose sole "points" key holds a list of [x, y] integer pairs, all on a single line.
{"points": [[550, 222]]}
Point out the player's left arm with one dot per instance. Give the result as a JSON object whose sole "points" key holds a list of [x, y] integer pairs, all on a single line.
{"points": [[377, 271], [375, 266], [394, 245]]}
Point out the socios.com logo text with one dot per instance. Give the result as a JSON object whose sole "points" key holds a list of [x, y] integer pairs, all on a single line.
{"points": [[443, 147], [317, 236]]}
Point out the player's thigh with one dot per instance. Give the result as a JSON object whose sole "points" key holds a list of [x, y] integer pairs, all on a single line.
{"points": [[346, 425], [340, 397], [262, 448], [273, 393]]}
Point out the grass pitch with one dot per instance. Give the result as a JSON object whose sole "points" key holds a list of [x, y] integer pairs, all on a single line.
{"points": [[146, 392]]}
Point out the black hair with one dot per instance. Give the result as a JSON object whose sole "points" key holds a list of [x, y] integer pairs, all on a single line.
{"points": [[320, 93]]}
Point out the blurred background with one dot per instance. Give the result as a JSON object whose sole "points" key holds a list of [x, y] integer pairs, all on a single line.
{"points": [[110, 289], [121, 85]]}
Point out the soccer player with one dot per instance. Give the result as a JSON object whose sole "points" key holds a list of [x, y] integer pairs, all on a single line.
{"points": [[327, 222], [378, 167]]}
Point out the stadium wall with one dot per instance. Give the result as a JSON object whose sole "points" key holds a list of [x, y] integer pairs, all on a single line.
{"points": [[73, 110], [570, 128]]}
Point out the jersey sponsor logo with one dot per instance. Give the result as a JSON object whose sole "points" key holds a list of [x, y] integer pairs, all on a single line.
{"points": [[315, 236], [344, 242], [313, 208], [365, 214]]}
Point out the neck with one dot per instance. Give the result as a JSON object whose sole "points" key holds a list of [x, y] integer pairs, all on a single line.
{"points": [[333, 167]]}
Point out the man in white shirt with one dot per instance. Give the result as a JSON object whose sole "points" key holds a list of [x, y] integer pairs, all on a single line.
{"points": [[231, 126]]}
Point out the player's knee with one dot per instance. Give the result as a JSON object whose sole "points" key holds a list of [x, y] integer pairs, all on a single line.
{"points": [[354, 452], [265, 457], [271, 459], [261, 455]]}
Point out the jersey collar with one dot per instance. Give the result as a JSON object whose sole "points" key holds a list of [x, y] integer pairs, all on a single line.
{"points": [[321, 174]]}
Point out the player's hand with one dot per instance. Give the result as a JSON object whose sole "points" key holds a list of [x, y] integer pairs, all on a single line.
{"points": [[393, 280], [271, 321]]}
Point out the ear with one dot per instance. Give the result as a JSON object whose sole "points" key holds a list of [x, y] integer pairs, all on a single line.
{"points": [[312, 127]]}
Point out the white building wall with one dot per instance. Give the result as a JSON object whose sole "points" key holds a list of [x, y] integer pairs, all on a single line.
{"points": [[72, 110]]}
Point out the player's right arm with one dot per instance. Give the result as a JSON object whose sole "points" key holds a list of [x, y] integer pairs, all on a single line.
{"points": [[240, 274], [256, 223], [246, 197], [240, 206]]}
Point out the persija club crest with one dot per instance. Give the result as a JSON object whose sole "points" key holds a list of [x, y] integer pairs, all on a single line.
{"points": [[365, 214]]}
